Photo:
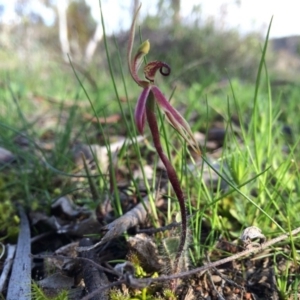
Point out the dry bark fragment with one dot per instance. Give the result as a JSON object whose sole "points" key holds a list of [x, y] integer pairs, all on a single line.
{"points": [[93, 277], [19, 286], [136, 216]]}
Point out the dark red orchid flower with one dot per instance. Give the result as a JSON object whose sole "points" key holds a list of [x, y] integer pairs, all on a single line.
{"points": [[151, 92], [145, 110]]}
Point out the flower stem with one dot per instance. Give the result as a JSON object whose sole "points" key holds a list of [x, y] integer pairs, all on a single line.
{"points": [[173, 178]]}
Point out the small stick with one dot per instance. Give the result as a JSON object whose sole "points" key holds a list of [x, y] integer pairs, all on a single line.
{"points": [[244, 253]]}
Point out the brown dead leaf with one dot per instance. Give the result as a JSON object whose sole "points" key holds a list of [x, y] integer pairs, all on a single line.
{"points": [[135, 216]]}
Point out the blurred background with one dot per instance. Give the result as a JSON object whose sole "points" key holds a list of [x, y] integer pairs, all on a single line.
{"points": [[202, 40], [65, 85]]}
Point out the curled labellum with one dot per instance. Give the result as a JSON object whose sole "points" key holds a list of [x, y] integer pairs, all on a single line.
{"points": [[152, 67]]}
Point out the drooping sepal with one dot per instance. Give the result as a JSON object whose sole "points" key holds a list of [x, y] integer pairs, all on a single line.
{"points": [[175, 119]]}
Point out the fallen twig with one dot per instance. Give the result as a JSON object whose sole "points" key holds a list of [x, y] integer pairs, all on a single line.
{"points": [[247, 252], [114, 229]]}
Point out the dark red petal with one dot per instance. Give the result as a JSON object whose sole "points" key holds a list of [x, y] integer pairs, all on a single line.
{"points": [[140, 114], [175, 118]]}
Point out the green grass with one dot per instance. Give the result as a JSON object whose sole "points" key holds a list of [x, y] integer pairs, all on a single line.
{"points": [[258, 162]]}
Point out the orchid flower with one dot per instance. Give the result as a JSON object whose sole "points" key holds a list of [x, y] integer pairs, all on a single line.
{"points": [[151, 92], [145, 110]]}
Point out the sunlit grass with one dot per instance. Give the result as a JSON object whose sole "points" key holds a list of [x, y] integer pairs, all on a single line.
{"points": [[258, 166]]}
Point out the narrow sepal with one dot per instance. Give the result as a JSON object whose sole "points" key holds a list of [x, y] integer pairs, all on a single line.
{"points": [[131, 64], [137, 61], [175, 119], [140, 109]]}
